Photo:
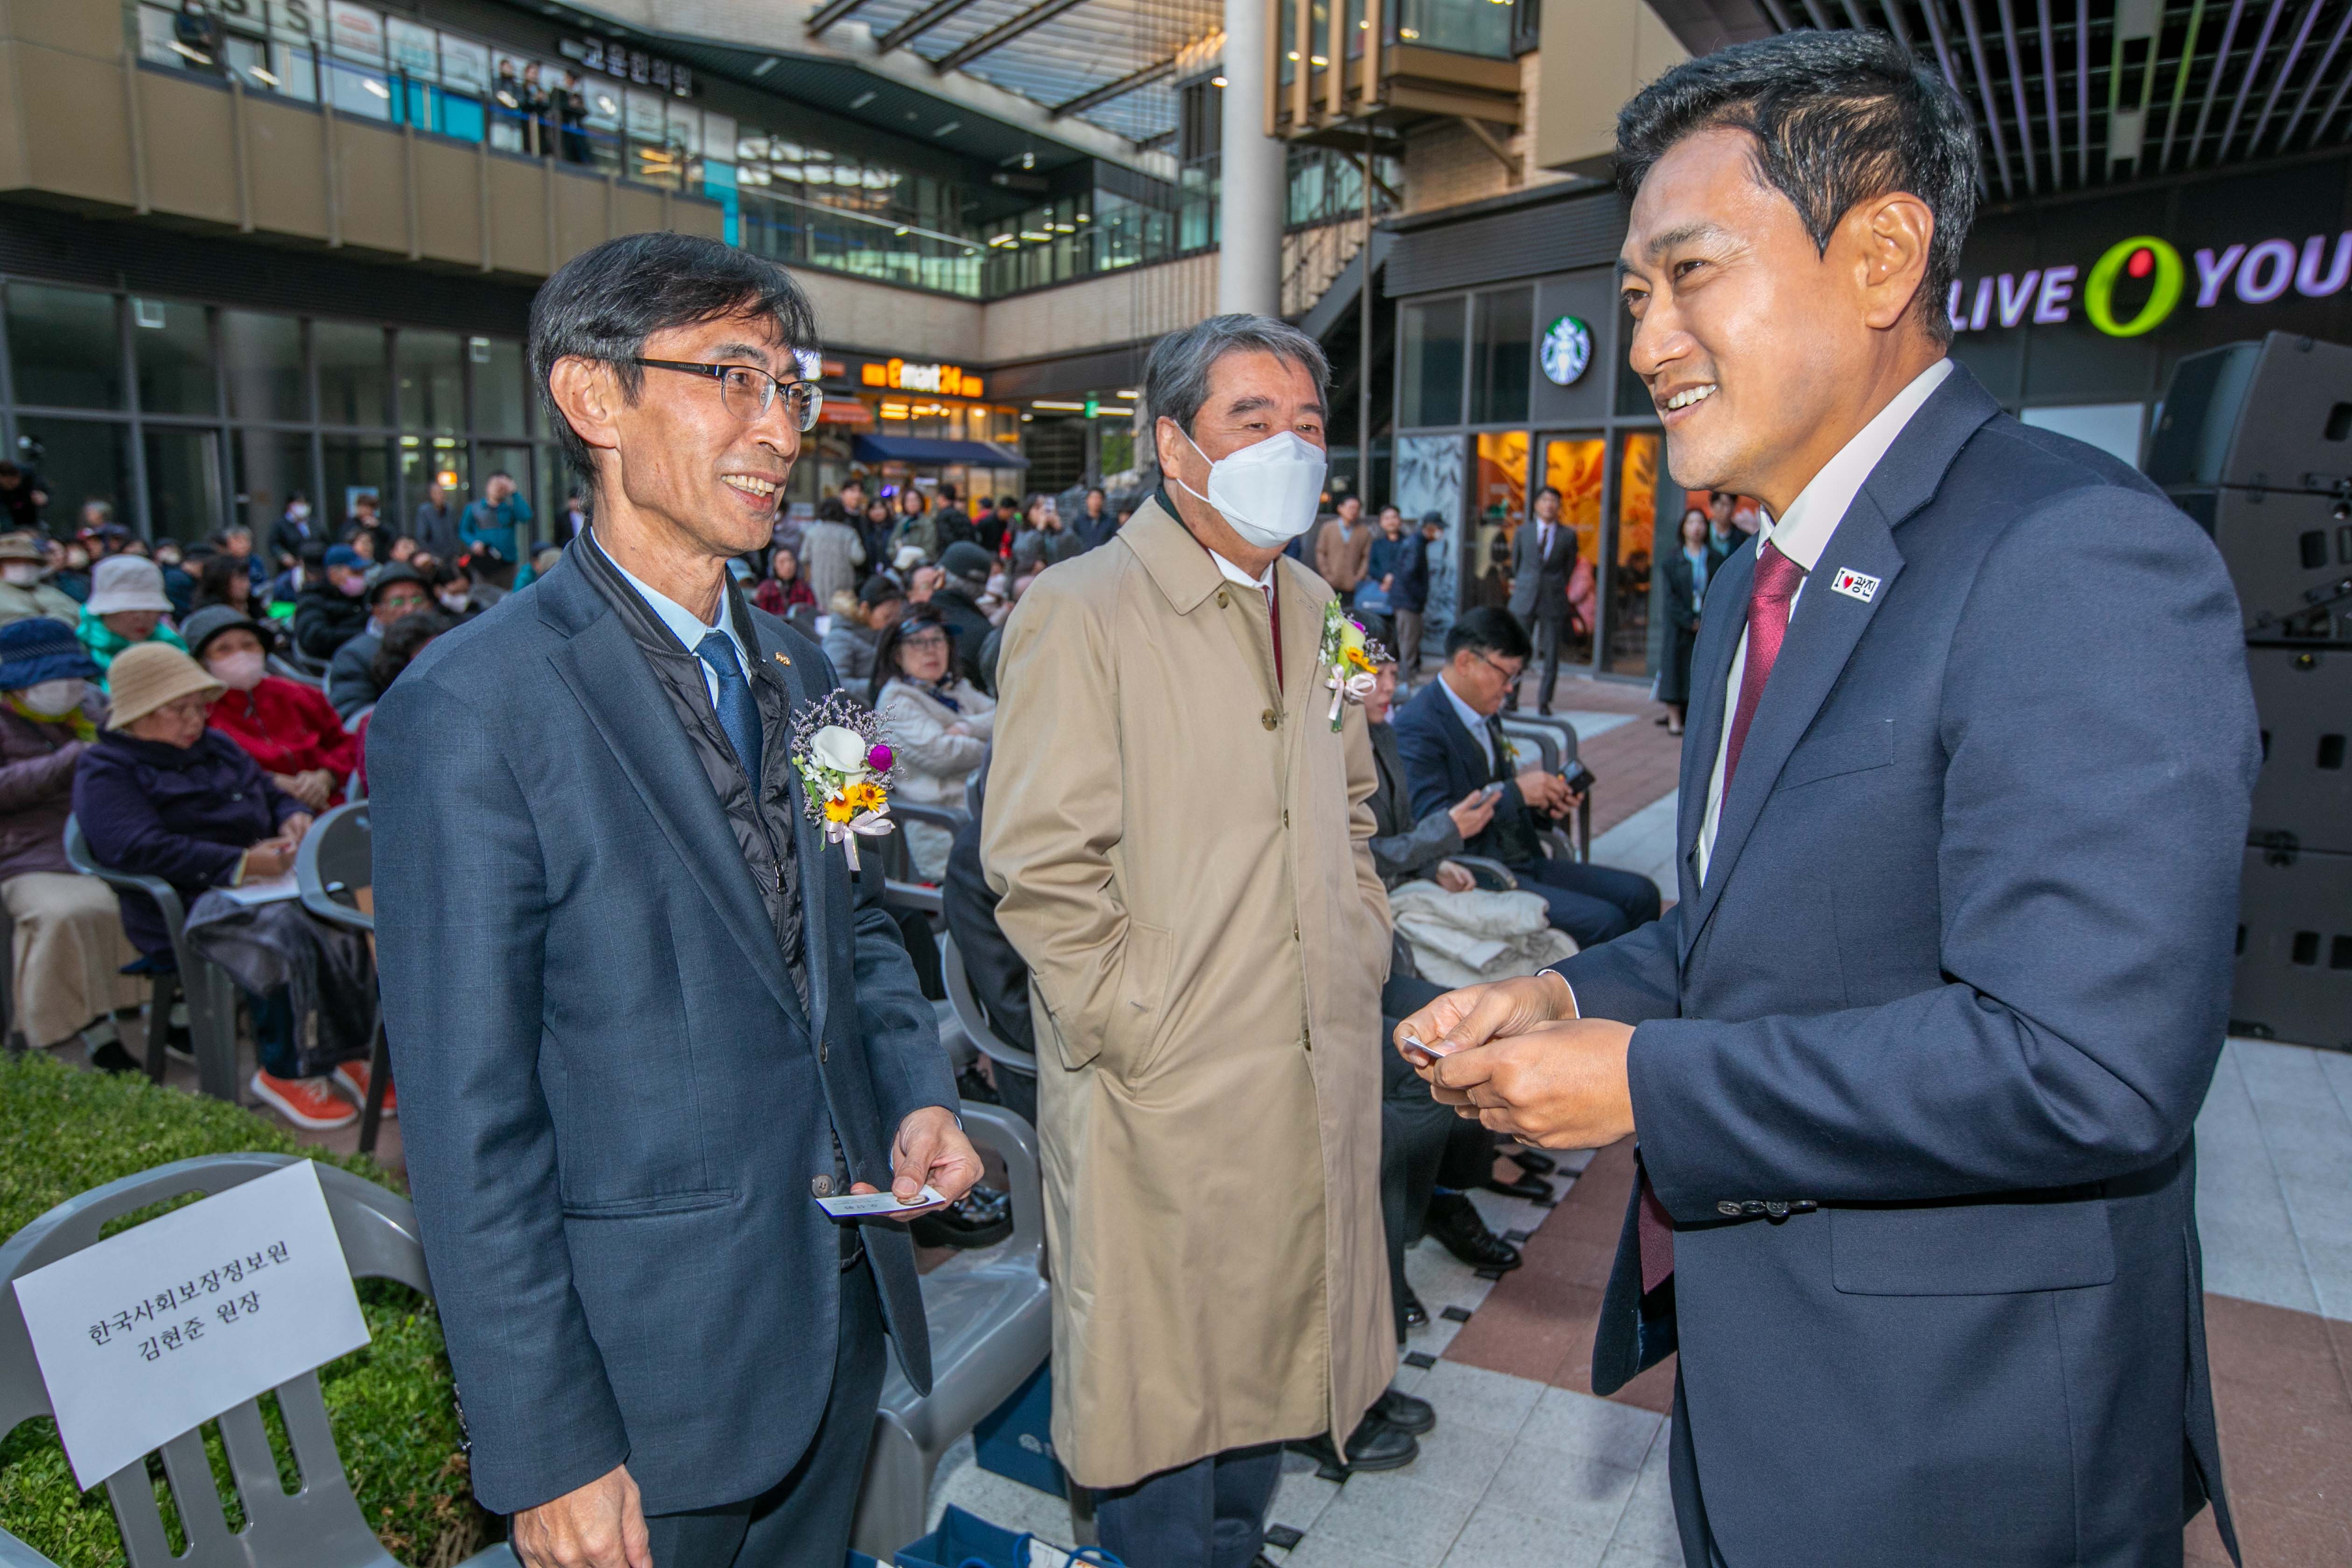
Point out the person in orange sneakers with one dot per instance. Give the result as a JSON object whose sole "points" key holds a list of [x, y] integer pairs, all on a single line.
{"points": [[160, 794]]}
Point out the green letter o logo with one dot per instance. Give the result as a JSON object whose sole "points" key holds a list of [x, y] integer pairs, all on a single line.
{"points": [[2099, 288]]}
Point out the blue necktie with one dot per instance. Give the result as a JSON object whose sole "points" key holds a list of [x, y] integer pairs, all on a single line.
{"points": [[739, 711]]}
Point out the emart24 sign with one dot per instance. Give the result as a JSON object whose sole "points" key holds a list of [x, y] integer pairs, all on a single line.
{"points": [[2138, 284]]}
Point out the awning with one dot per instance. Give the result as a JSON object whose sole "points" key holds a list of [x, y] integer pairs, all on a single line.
{"points": [[917, 449]]}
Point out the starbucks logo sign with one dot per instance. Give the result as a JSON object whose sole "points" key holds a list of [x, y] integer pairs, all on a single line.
{"points": [[1566, 351]]}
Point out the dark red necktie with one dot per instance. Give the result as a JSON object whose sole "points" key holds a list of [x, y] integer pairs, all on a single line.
{"points": [[1778, 578]]}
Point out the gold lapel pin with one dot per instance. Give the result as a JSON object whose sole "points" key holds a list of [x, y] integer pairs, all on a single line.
{"points": [[782, 659]]}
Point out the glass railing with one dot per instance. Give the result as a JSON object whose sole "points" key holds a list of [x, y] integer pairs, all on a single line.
{"points": [[1465, 27]]}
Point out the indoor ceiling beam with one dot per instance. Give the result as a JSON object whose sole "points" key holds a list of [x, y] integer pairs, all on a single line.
{"points": [[1096, 97], [832, 11], [1003, 33], [1985, 98], [2311, 90], [921, 22]]}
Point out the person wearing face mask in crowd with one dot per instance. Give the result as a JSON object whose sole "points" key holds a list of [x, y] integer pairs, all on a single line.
{"points": [[294, 530], [179, 585], [1180, 838], [333, 613], [287, 726], [393, 592], [24, 564], [72, 574], [126, 608], [70, 946], [453, 590]]}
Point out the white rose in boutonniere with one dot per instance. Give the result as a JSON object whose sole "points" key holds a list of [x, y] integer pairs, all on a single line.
{"points": [[843, 750], [844, 768]]}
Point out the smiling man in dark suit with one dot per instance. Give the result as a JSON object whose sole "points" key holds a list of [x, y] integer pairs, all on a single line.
{"points": [[643, 1015], [1914, 1062]]}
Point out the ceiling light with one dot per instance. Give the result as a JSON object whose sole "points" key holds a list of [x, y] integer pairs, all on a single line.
{"points": [[1216, 82], [376, 87], [900, 231], [1000, 239], [862, 100], [950, 125], [1063, 407], [1319, 61], [765, 67], [1084, 218], [1294, 57], [198, 56], [261, 75], [1033, 236]]}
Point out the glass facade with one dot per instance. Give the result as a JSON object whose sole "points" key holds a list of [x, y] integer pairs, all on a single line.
{"points": [[1472, 399], [184, 416]]}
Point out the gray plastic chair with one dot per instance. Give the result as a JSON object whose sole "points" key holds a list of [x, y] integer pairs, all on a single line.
{"points": [[991, 1320], [1555, 739], [322, 1523], [972, 1019], [331, 864], [211, 995], [298, 667]]}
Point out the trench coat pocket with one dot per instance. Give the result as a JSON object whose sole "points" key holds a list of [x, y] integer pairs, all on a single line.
{"points": [[1142, 989], [1982, 1248]]}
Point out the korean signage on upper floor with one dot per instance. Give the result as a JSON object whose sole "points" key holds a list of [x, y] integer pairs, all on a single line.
{"points": [[2142, 281]]}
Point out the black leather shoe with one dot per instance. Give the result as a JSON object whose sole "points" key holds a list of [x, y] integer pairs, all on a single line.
{"points": [[1458, 1228], [1405, 1413], [1416, 1316], [1374, 1444], [1535, 1189], [1534, 1161], [982, 1218], [111, 1057]]}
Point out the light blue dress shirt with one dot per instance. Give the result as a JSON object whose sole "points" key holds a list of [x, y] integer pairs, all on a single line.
{"points": [[687, 626]]}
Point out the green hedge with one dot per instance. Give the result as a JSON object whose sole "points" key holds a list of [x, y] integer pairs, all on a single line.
{"points": [[395, 1423]]}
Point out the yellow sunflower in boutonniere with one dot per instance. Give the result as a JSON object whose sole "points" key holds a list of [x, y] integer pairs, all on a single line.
{"points": [[843, 765], [1351, 656]]}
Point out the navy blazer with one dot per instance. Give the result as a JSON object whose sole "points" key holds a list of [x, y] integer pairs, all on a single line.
{"points": [[613, 1103], [1443, 764], [1917, 1065]]}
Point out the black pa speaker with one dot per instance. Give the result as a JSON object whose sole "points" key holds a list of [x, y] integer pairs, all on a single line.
{"points": [[2268, 416], [2295, 949], [2289, 555], [2304, 793]]}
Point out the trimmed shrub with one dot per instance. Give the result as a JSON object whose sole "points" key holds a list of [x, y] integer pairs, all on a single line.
{"points": [[394, 1419]]}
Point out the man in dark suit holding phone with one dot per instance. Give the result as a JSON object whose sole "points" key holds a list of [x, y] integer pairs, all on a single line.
{"points": [[645, 1016], [1914, 1062], [1451, 737]]}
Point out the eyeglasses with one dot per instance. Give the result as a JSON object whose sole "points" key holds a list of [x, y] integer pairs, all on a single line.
{"points": [[747, 392], [1505, 670]]}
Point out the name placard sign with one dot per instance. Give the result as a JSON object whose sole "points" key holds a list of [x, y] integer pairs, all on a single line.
{"points": [[156, 1330]]}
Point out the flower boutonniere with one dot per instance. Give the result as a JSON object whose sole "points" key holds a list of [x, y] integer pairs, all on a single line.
{"points": [[844, 768], [1349, 656]]}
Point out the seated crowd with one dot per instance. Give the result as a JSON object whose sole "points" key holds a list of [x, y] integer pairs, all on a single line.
{"points": [[197, 738]]}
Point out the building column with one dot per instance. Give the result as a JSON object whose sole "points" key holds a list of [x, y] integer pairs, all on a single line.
{"points": [[1253, 190]]}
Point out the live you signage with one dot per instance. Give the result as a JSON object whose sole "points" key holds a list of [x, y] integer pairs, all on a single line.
{"points": [[2138, 284]]}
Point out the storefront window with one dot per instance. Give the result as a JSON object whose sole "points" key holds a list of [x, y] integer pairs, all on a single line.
{"points": [[184, 483], [354, 466], [174, 343], [272, 468], [431, 386], [1429, 376], [499, 396], [63, 347], [350, 372], [79, 460], [1629, 588], [1501, 351], [1465, 27], [1498, 504], [265, 366]]}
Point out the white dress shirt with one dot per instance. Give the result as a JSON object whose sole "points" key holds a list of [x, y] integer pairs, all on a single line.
{"points": [[1801, 536], [1472, 719], [687, 626], [1262, 582]]}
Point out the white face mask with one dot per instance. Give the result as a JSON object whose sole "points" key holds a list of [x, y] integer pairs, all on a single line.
{"points": [[238, 671], [1268, 491], [55, 699], [23, 574], [453, 602]]}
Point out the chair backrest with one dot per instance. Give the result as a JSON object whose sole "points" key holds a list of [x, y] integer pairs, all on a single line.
{"points": [[80, 856], [333, 863], [320, 1523], [969, 1013]]}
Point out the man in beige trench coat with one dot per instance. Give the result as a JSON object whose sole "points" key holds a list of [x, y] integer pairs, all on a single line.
{"points": [[1180, 838]]}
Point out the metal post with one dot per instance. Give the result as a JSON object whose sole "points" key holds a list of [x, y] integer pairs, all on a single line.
{"points": [[1250, 197], [1364, 330]]}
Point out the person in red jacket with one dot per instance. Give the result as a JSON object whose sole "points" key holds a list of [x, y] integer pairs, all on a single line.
{"points": [[288, 727]]}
